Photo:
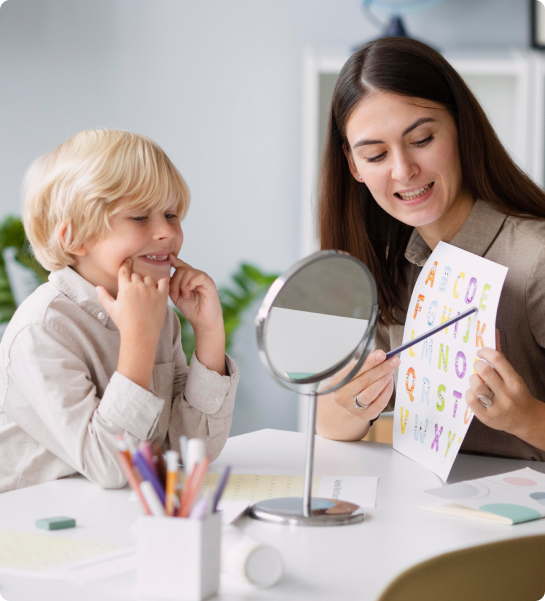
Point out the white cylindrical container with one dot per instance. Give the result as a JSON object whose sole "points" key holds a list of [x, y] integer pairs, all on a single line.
{"points": [[178, 558], [248, 559]]}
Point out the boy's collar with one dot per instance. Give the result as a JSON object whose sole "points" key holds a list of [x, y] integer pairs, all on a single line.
{"points": [[79, 290]]}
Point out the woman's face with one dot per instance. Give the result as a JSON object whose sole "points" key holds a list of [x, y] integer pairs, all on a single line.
{"points": [[406, 151]]}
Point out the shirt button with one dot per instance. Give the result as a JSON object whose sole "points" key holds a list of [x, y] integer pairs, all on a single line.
{"points": [[101, 315]]}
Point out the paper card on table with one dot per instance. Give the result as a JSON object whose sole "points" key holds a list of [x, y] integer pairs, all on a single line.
{"points": [[34, 555], [431, 417], [260, 487], [510, 498]]}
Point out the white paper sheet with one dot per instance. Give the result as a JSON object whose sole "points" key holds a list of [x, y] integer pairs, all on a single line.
{"points": [[514, 497], [41, 555], [431, 416]]}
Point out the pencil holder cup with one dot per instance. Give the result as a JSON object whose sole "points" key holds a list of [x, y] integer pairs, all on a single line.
{"points": [[178, 558]]}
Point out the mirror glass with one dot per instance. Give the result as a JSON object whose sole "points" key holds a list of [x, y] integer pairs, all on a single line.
{"points": [[320, 318]]}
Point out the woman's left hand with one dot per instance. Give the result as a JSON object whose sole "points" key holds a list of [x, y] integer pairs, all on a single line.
{"points": [[513, 407], [194, 294]]}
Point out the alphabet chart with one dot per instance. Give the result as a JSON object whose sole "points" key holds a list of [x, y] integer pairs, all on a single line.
{"points": [[431, 416]]}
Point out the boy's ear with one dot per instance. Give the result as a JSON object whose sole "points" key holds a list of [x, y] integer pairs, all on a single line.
{"points": [[351, 164], [62, 236]]}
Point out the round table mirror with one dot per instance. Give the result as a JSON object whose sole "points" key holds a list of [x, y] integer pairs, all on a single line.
{"points": [[318, 318]]}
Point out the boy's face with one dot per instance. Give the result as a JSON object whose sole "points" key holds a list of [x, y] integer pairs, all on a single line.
{"points": [[146, 237]]}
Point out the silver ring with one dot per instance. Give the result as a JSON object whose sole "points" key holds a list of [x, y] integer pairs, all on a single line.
{"points": [[486, 401], [358, 405]]}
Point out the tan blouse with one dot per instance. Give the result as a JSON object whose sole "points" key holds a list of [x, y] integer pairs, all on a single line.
{"points": [[518, 244], [63, 404]]}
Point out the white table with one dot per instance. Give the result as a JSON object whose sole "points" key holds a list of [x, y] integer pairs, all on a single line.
{"points": [[342, 563]]}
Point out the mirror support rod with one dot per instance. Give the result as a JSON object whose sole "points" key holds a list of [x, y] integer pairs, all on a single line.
{"points": [[309, 463]]}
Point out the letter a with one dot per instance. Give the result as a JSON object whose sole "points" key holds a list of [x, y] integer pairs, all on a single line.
{"points": [[431, 275]]}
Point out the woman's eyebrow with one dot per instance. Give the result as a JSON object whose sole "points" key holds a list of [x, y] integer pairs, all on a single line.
{"points": [[408, 130]]}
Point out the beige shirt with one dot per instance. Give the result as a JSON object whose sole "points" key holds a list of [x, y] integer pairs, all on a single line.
{"points": [[63, 404], [518, 244]]}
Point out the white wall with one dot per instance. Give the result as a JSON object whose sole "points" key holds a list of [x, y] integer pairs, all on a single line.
{"points": [[218, 84]]}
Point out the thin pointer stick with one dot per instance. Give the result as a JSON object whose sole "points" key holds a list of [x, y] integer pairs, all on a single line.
{"points": [[429, 333]]}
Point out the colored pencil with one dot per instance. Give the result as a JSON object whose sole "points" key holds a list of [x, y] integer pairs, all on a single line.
{"points": [[133, 480]]}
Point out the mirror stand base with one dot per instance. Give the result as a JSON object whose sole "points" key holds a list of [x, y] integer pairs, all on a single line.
{"points": [[290, 511]]}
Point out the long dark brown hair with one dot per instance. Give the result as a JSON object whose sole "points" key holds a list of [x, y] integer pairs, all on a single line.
{"points": [[350, 219]]}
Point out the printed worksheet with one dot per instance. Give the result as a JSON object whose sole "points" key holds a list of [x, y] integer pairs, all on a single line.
{"points": [[260, 487], [431, 416], [43, 555]]}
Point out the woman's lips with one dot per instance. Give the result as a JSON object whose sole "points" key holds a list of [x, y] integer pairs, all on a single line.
{"points": [[418, 200]]}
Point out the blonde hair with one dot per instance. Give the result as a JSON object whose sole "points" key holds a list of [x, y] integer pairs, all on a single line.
{"points": [[82, 182]]}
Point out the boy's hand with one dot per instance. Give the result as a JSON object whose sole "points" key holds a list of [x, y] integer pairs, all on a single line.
{"points": [[195, 295], [140, 308]]}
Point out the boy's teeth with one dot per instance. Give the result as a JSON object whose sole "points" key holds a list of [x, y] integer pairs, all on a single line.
{"points": [[156, 258], [416, 193]]}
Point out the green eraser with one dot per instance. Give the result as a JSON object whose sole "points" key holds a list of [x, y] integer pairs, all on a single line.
{"points": [[55, 523]]}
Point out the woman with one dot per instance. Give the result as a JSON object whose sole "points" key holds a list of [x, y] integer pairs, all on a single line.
{"points": [[410, 159]]}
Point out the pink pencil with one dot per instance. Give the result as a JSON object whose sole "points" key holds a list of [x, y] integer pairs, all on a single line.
{"points": [[196, 485], [133, 480]]}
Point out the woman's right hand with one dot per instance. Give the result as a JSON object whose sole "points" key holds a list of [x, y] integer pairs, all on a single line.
{"points": [[374, 385]]}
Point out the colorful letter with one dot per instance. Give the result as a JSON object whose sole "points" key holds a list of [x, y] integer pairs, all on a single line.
{"points": [[431, 275], [466, 337], [427, 349], [418, 306], [422, 429], [450, 441], [410, 388], [411, 351], [435, 442], [426, 385], [456, 327], [403, 422], [467, 415], [471, 290], [445, 317], [454, 454], [484, 296], [460, 356], [479, 336], [457, 397], [443, 357], [423, 432], [444, 279], [441, 394], [432, 310], [461, 276]]}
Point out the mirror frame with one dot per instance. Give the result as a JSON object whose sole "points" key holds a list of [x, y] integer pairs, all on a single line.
{"points": [[360, 352]]}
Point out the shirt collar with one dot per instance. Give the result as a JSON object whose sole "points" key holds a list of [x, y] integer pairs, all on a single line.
{"points": [[477, 234], [79, 290]]}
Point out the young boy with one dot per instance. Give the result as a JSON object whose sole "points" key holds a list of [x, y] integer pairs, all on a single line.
{"points": [[96, 352]]}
